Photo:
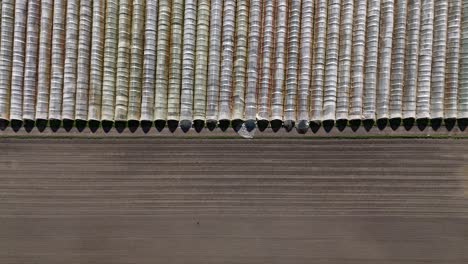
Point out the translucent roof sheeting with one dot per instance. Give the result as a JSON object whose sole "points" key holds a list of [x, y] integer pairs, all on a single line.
{"points": [[291, 64]]}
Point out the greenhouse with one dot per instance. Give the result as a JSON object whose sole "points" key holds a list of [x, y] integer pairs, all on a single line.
{"points": [[194, 64]]}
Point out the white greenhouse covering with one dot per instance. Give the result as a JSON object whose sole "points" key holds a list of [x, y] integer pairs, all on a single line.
{"points": [[278, 63]]}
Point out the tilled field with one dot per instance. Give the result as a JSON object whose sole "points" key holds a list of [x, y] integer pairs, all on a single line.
{"points": [[154, 200]]}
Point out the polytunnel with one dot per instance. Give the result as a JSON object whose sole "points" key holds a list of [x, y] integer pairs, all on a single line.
{"points": [[199, 63]]}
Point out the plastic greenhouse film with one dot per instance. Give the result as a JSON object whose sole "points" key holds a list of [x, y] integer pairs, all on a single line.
{"points": [[279, 70], [385, 59], [398, 59], [1, 5], [345, 53], [371, 61], [16, 99], [84, 50], [6, 48], [57, 60], [439, 52], [425, 59], [411, 59], [123, 61], [71, 58], [136, 60], [266, 70], [463, 88], [331, 62], [162, 60], [96, 61], [175, 64], [149, 60], [240, 62], [253, 60], [292, 72], [30, 65], [44, 60], [188, 64], [227, 60], [357, 60], [453, 59], [201, 60], [110, 60], [214, 61], [305, 66], [318, 67]]}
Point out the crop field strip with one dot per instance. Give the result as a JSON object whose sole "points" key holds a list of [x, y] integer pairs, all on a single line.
{"points": [[303, 64], [199, 201]]}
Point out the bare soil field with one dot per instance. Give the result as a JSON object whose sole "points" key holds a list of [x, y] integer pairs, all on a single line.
{"points": [[202, 201]]}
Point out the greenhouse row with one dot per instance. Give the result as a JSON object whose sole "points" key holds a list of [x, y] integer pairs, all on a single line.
{"points": [[201, 63]]}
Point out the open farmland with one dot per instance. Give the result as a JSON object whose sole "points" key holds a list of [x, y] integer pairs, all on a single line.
{"points": [[153, 200]]}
